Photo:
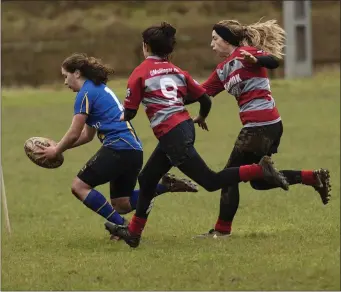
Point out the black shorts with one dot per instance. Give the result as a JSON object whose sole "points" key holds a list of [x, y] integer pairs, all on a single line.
{"points": [[178, 143], [254, 142], [119, 167]]}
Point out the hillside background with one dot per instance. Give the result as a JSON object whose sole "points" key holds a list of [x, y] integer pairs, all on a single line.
{"points": [[38, 35]]}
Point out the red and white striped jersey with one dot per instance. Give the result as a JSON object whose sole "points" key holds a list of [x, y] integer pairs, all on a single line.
{"points": [[249, 84], [161, 86]]}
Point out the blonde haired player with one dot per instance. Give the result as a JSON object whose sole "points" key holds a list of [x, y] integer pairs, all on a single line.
{"points": [[248, 51]]}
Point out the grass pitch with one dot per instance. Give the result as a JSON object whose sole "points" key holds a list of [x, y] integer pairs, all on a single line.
{"points": [[281, 240]]}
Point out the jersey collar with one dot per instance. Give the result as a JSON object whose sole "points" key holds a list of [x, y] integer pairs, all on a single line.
{"points": [[155, 57]]}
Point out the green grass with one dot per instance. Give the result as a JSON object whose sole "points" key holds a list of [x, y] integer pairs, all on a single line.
{"points": [[281, 241]]}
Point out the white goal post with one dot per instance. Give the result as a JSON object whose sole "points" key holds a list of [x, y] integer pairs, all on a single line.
{"points": [[298, 50]]}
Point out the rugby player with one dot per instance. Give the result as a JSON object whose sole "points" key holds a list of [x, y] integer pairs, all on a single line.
{"points": [[120, 159], [248, 51]]}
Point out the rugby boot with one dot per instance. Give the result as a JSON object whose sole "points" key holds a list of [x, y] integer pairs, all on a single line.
{"points": [[174, 184], [122, 232], [214, 234], [323, 186], [116, 238]]}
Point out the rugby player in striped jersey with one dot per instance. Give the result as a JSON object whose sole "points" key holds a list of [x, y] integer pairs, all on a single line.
{"points": [[162, 87], [248, 51]]}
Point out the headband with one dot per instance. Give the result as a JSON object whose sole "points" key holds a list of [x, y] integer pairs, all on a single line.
{"points": [[226, 34]]}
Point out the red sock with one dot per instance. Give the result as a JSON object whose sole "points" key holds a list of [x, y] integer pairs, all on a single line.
{"points": [[250, 172], [223, 226], [136, 225], [308, 177]]}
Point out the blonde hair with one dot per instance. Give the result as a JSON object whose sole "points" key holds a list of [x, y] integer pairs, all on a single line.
{"points": [[267, 36]]}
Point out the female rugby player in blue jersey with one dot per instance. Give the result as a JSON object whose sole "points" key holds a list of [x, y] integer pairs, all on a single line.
{"points": [[120, 159]]}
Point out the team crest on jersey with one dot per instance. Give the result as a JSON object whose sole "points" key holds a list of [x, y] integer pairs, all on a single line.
{"points": [[128, 92]]}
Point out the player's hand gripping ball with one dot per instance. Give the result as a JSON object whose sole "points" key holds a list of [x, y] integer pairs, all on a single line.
{"points": [[31, 146]]}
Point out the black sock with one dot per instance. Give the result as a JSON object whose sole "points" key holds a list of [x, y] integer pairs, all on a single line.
{"points": [[293, 176], [229, 203]]}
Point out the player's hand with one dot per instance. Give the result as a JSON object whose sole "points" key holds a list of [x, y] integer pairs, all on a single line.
{"points": [[201, 121], [49, 152], [247, 57]]}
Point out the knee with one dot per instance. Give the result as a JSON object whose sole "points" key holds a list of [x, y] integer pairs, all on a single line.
{"points": [[147, 183], [79, 189], [232, 189], [209, 182], [121, 205], [75, 188], [210, 186]]}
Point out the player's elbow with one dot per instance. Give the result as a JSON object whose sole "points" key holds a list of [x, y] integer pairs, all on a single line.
{"points": [[129, 114], [273, 66], [89, 133], [74, 134], [73, 137]]}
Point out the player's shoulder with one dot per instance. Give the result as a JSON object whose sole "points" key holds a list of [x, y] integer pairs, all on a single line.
{"points": [[89, 86], [140, 70], [91, 89]]}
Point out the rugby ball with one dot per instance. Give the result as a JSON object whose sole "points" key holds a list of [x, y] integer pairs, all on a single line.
{"points": [[31, 148]]}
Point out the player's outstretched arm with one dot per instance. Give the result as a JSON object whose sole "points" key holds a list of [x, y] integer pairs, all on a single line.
{"points": [[267, 61]]}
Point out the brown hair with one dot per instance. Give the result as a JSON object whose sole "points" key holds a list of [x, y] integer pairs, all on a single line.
{"points": [[160, 38], [89, 67], [267, 36]]}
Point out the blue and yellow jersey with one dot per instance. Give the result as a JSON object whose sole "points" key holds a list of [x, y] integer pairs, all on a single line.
{"points": [[104, 110]]}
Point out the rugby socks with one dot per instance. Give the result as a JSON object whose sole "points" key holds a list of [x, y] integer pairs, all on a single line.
{"points": [[250, 172], [308, 177], [223, 226], [160, 189], [136, 225], [99, 204], [294, 176], [133, 199]]}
